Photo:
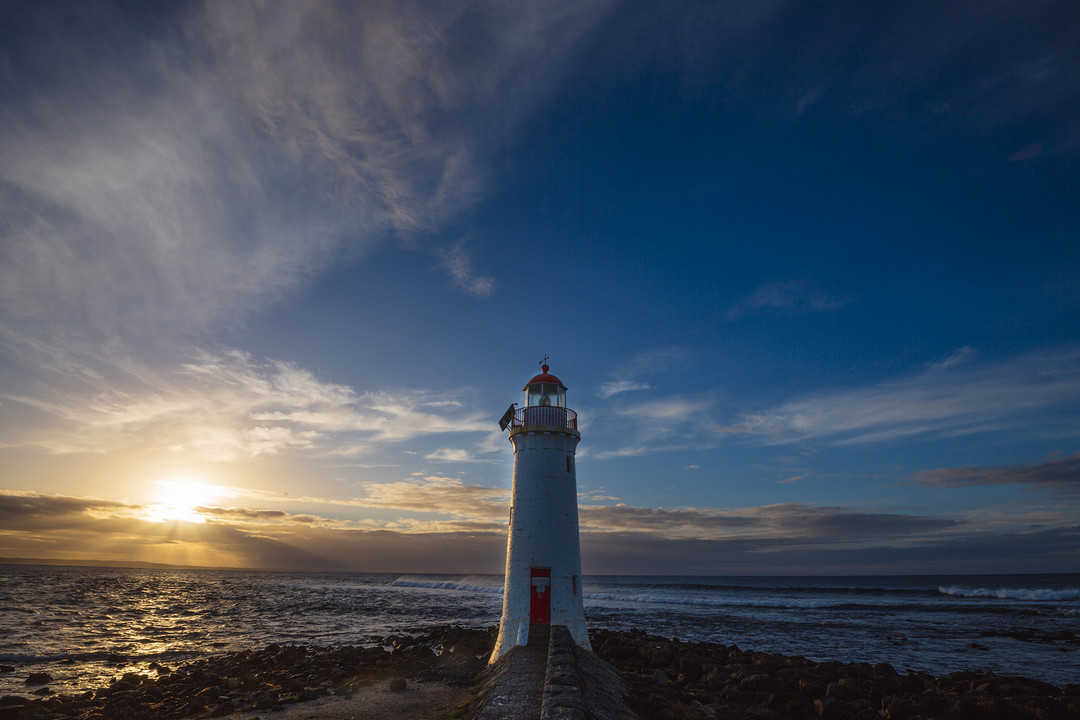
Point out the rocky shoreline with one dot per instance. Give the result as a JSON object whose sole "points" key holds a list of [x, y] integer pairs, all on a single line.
{"points": [[264, 680], [666, 679], [677, 680]]}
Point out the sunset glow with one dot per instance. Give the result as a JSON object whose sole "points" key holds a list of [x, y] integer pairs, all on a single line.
{"points": [[179, 500]]}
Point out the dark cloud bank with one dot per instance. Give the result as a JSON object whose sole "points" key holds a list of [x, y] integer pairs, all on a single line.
{"points": [[791, 539]]}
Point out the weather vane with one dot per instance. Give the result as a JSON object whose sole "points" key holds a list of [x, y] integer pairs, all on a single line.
{"points": [[544, 361]]}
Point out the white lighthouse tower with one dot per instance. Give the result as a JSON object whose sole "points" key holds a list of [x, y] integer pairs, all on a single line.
{"points": [[543, 555]]}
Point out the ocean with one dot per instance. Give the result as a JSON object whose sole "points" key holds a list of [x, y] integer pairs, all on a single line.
{"points": [[85, 626]]}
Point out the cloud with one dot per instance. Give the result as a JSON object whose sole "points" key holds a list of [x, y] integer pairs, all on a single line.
{"points": [[627, 553], [650, 448], [788, 298], [161, 180], [615, 387], [227, 406], [456, 455], [21, 510], [435, 494], [667, 409], [1059, 475], [65, 528], [791, 521], [648, 362], [780, 538], [948, 399], [458, 265], [961, 356], [661, 425], [1028, 152], [244, 514]]}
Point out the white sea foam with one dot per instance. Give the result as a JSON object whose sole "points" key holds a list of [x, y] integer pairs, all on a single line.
{"points": [[1032, 594], [469, 584], [739, 601]]}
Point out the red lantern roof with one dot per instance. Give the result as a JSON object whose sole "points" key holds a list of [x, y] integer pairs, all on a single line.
{"points": [[544, 377]]}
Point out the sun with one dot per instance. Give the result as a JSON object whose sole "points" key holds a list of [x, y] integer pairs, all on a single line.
{"points": [[178, 500]]}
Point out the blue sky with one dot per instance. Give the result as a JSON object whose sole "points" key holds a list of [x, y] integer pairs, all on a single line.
{"points": [[269, 275]]}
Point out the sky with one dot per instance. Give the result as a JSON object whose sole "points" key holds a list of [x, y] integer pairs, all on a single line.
{"points": [[270, 273]]}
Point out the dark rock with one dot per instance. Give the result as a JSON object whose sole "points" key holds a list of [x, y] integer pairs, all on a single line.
{"points": [[38, 678], [897, 708], [760, 683], [7, 668], [223, 709], [130, 680], [825, 707], [884, 670], [398, 684]]}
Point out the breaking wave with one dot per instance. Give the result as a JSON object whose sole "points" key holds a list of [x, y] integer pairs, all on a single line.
{"points": [[1029, 594], [470, 584]]}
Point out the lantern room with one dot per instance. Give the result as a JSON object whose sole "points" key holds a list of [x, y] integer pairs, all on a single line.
{"points": [[545, 390]]}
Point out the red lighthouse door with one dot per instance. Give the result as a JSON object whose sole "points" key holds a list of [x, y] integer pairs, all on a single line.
{"points": [[540, 596]]}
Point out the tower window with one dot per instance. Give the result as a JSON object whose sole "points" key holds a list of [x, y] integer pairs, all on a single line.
{"points": [[567, 464]]}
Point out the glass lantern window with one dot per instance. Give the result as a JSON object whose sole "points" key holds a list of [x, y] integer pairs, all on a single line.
{"points": [[545, 395]]}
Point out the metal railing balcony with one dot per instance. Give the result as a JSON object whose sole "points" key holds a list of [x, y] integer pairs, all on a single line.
{"points": [[542, 415]]}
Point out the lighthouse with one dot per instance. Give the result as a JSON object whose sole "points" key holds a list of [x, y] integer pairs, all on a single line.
{"points": [[542, 586]]}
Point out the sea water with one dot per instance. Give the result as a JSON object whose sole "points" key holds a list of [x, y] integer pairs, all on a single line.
{"points": [[85, 626]]}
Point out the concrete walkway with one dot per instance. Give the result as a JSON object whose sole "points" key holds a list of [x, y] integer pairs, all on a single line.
{"points": [[552, 679], [515, 690]]}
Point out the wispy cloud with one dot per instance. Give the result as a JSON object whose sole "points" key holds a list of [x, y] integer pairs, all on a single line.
{"points": [[791, 521], [187, 177], [949, 398], [627, 377], [1062, 475], [242, 515], [784, 297], [656, 426], [435, 494], [229, 406], [1028, 152], [457, 455], [615, 387], [676, 408], [175, 178], [458, 265]]}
